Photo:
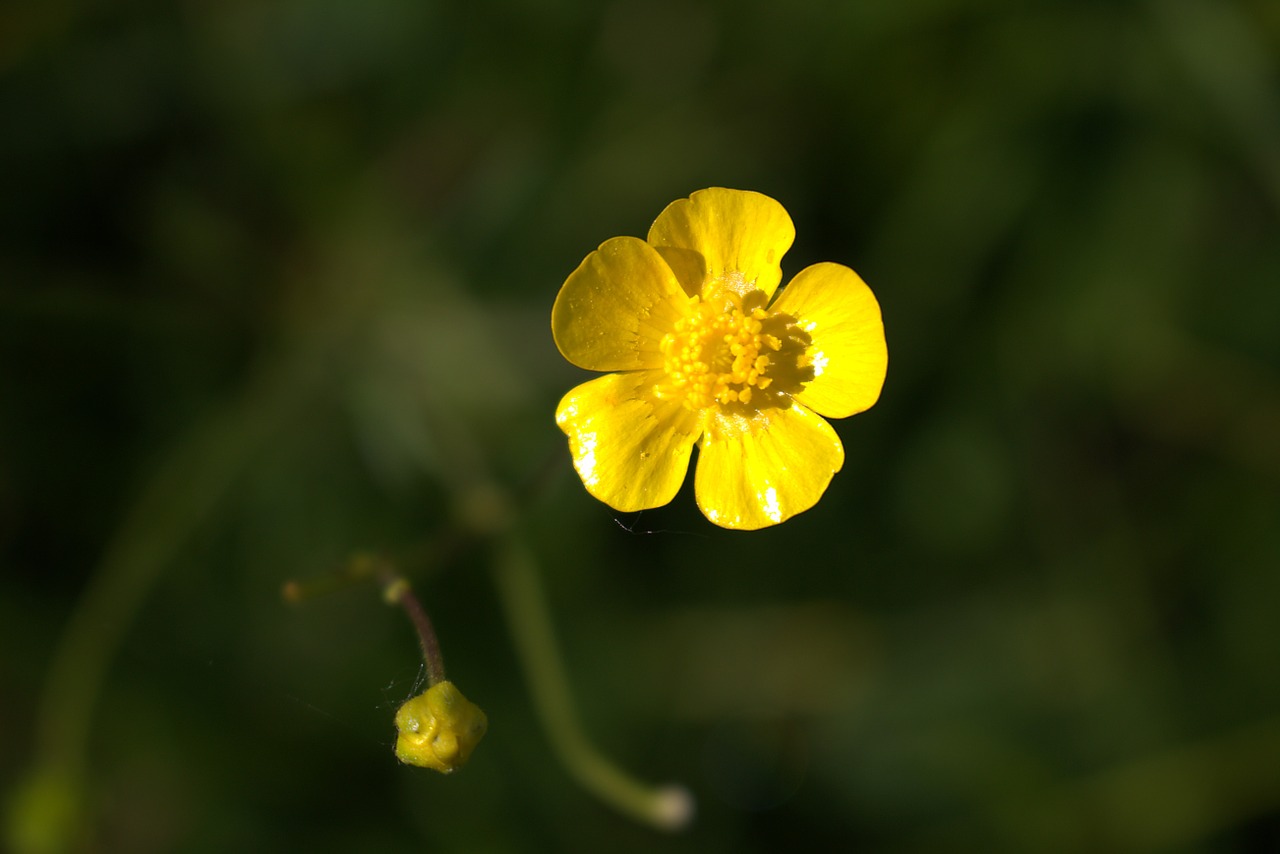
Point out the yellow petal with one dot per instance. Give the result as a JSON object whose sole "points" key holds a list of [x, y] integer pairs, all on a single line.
{"points": [[724, 238], [848, 353], [614, 309], [759, 471], [630, 448]]}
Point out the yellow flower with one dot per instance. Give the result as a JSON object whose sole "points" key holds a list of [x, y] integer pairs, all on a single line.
{"points": [[702, 355]]}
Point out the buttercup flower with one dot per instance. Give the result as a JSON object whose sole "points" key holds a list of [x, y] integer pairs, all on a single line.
{"points": [[702, 355]]}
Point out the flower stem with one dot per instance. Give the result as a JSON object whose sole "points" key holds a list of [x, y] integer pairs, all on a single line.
{"points": [[516, 575], [396, 590]]}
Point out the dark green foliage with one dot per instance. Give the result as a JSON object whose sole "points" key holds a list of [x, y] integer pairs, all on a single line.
{"points": [[276, 277]]}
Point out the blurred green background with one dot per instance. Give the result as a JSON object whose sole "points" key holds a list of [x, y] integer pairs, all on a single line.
{"points": [[275, 279]]}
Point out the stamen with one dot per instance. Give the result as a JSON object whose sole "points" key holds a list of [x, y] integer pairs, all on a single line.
{"points": [[718, 354]]}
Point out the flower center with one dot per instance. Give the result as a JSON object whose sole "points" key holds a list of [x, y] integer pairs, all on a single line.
{"points": [[732, 352]]}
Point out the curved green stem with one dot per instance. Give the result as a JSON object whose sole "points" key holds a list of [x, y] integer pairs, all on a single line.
{"points": [[666, 807], [189, 484]]}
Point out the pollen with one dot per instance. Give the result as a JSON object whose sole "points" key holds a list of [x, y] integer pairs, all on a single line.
{"points": [[720, 354]]}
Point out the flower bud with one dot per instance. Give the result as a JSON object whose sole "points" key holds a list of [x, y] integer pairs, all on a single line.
{"points": [[439, 729]]}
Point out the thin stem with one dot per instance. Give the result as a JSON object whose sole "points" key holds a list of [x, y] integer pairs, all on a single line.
{"points": [[420, 560], [489, 511], [396, 590], [186, 488], [357, 570], [516, 575]]}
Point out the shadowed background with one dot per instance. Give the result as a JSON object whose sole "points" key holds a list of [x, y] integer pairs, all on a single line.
{"points": [[275, 282]]}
